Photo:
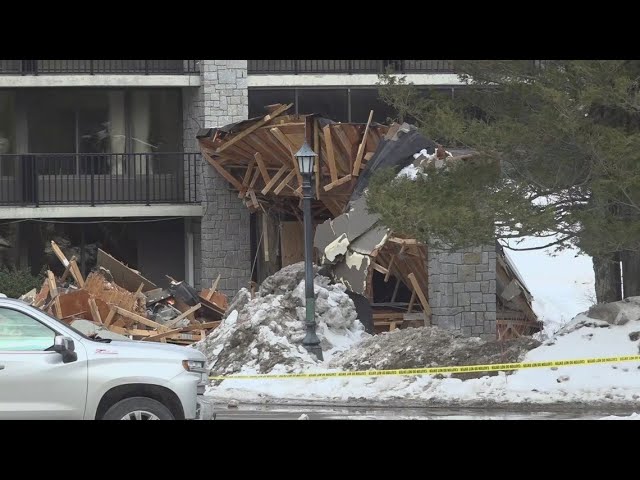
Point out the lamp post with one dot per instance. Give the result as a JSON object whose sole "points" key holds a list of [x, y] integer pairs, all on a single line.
{"points": [[306, 161]]}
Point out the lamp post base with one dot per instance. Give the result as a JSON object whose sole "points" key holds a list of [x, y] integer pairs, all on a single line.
{"points": [[315, 350]]}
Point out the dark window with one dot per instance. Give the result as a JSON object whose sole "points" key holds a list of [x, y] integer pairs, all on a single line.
{"points": [[258, 99], [363, 100], [329, 103]]}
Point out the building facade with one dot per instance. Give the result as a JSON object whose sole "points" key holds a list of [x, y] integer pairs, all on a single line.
{"points": [[104, 152]]}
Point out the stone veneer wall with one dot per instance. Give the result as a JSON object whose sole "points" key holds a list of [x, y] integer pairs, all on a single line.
{"points": [[462, 290]]}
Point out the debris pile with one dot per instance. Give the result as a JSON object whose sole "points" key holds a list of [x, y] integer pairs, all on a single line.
{"points": [[431, 347], [119, 299], [267, 330]]}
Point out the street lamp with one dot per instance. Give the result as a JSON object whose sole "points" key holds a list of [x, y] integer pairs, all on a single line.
{"points": [[306, 160]]}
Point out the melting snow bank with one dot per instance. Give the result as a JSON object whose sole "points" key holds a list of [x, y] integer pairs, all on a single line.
{"points": [[633, 416], [606, 330], [264, 334]]}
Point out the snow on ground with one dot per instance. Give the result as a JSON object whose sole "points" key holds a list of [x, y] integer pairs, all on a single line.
{"points": [[583, 337], [633, 416]]}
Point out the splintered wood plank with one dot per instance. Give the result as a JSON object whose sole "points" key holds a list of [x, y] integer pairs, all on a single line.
{"points": [[412, 301], [226, 175], [331, 159], [284, 182], [282, 138], [263, 168], [162, 336], [94, 311], [183, 315], [109, 318], [140, 319], [75, 272], [337, 183], [356, 165], [67, 270], [53, 290], [255, 126], [393, 259], [423, 299], [246, 178], [274, 179], [380, 268], [254, 199], [214, 287], [406, 241]]}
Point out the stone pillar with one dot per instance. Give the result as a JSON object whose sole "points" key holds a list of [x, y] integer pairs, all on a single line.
{"points": [[225, 239], [462, 290]]}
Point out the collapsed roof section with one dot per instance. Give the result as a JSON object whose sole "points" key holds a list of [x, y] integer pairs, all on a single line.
{"points": [[256, 157]]}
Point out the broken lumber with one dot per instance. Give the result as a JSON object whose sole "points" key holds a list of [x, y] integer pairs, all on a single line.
{"points": [[95, 314], [330, 154], [53, 289], [255, 126], [182, 316], [337, 183], [356, 165], [123, 275], [423, 299]]}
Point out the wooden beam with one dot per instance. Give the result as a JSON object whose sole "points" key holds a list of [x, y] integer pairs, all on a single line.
{"points": [[263, 168], [255, 126], [254, 199], [412, 301], [368, 156], [423, 300], [393, 258], [75, 272], [316, 148], [139, 290], [265, 236], [214, 287], [405, 241], [331, 158], [380, 268], [337, 183], [67, 271], [363, 144], [140, 319], [110, 316], [53, 290], [246, 178], [227, 176], [282, 138], [162, 335], [284, 182], [183, 315], [94, 311], [274, 179]]}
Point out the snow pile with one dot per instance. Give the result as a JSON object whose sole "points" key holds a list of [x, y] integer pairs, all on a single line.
{"points": [[615, 333], [431, 347], [266, 332]]}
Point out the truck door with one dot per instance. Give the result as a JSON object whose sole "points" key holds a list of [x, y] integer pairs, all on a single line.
{"points": [[35, 383]]}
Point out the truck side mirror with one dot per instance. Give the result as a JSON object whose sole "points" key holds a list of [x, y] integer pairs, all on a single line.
{"points": [[65, 347]]}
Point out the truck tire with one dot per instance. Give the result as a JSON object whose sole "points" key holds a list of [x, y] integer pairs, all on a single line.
{"points": [[138, 408]]}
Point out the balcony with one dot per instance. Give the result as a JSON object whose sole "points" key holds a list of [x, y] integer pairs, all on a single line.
{"points": [[98, 67], [98, 179], [301, 67]]}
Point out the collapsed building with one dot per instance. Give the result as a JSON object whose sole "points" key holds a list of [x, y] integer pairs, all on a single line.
{"points": [[395, 281]]}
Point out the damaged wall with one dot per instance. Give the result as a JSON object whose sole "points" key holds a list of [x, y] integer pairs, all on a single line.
{"points": [[462, 290], [225, 239]]}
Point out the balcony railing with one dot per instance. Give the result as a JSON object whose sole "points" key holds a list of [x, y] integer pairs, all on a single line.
{"points": [[98, 67], [98, 179], [257, 67]]}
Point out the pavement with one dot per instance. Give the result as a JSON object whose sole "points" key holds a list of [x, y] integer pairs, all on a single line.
{"points": [[290, 412]]}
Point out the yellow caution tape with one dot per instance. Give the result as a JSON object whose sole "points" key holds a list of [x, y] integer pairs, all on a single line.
{"points": [[439, 370]]}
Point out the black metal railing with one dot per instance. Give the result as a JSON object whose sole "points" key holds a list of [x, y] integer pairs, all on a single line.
{"points": [[257, 67], [98, 67], [98, 178]]}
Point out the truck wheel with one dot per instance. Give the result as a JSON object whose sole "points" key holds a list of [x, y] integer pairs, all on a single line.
{"points": [[138, 408]]}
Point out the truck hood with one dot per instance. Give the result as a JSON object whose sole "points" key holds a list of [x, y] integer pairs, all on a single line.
{"points": [[155, 349]]}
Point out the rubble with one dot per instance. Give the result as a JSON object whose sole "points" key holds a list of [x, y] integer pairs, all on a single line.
{"points": [[431, 347], [265, 332], [120, 301]]}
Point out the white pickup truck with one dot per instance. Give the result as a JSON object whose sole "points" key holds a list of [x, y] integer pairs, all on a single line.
{"points": [[49, 370]]}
